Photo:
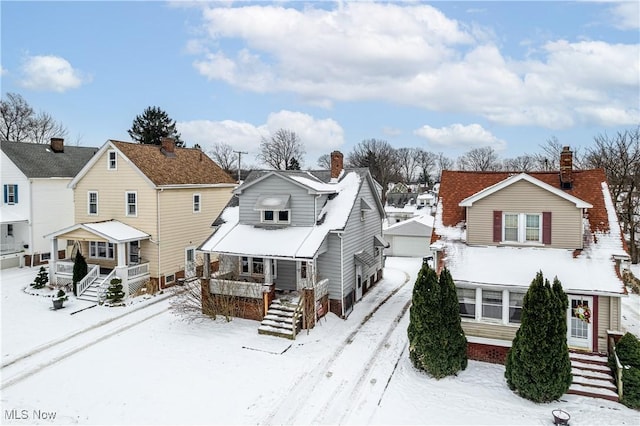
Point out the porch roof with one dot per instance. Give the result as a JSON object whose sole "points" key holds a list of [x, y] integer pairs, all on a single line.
{"points": [[113, 231], [7, 216]]}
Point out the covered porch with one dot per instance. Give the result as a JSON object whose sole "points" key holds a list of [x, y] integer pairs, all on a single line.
{"points": [[111, 248], [14, 241]]}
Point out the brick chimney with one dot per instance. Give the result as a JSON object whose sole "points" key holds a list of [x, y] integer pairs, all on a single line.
{"points": [[337, 163], [57, 144], [566, 168], [168, 146]]}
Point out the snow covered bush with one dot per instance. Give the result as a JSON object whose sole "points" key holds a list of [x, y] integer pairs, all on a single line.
{"points": [[114, 291], [538, 367], [437, 343], [628, 350], [41, 279]]}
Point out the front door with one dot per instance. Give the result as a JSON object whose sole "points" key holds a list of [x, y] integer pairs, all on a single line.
{"points": [[358, 282], [580, 322], [134, 252], [303, 273], [190, 263]]}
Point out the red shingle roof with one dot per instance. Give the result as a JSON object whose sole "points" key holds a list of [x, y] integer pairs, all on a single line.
{"points": [[455, 186], [189, 166]]}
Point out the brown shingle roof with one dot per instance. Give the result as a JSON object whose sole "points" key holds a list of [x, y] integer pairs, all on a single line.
{"points": [[455, 186], [189, 166]]}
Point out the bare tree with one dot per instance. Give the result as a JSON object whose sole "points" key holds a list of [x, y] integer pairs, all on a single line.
{"points": [[324, 161], [409, 163], [20, 123], [549, 158], [280, 149], [619, 156], [381, 159], [483, 159], [428, 162], [521, 163], [222, 153], [442, 163]]}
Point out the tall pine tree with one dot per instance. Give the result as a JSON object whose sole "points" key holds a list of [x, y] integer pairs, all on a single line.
{"points": [[152, 126], [437, 343], [538, 366], [80, 270]]}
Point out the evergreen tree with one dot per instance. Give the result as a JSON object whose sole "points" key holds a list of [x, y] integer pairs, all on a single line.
{"points": [[152, 126], [293, 164], [80, 270], [114, 291], [436, 341], [41, 279], [538, 366]]}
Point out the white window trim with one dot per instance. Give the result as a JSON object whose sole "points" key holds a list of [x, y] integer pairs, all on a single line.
{"points": [[89, 203], [522, 228], [274, 267], [11, 194], [276, 218], [93, 250], [126, 203], [110, 160], [504, 320], [198, 204]]}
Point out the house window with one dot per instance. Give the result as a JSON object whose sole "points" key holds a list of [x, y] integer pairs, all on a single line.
{"points": [[491, 304], [45, 256], [522, 227], [255, 266], [275, 216], [196, 203], [467, 302], [132, 204], [11, 194], [9, 230], [101, 250], [515, 307], [303, 270], [112, 161], [92, 203], [169, 278]]}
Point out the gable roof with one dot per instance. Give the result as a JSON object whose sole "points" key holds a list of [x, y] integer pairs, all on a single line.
{"points": [[419, 226], [112, 230], [39, 161], [189, 166], [457, 186], [468, 202]]}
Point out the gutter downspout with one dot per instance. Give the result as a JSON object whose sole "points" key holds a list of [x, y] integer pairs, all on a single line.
{"points": [[158, 236], [339, 234]]}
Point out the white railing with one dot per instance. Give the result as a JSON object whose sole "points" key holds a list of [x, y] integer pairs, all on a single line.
{"points": [[10, 247], [103, 286], [135, 271], [236, 288], [88, 279], [64, 267], [321, 289]]}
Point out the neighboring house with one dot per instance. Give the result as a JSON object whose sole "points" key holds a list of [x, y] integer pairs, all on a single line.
{"points": [[36, 199], [299, 230], [410, 237], [140, 212], [495, 230]]}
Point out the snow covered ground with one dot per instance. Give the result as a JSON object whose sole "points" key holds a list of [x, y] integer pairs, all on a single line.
{"points": [[134, 365]]}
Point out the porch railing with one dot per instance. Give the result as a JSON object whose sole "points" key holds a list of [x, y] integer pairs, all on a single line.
{"points": [[91, 276], [64, 272], [236, 288], [103, 286], [138, 270], [618, 367], [321, 289]]}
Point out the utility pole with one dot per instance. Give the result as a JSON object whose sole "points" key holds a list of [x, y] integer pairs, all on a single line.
{"points": [[239, 160]]}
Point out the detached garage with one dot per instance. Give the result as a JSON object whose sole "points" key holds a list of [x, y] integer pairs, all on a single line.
{"points": [[409, 238]]}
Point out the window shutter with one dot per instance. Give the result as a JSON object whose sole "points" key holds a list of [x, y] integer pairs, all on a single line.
{"points": [[15, 194], [546, 227], [6, 194], [497, 226]]}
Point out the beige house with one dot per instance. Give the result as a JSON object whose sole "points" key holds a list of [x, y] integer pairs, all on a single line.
{"points": [[140, 211]]}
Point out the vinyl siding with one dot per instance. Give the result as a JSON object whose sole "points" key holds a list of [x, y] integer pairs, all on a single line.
{"points": [[525, 197], [608, 319], [301, 203], [52, 210], [286, 278], [181, 228], [489, 331], [329, 266]]}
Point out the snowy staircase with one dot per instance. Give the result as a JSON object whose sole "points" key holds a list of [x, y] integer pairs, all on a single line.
{"points": [[90, 294], [592, 376], [279, 320]]}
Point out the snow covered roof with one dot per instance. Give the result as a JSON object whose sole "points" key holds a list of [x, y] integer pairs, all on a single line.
{"points": [[232, 237], [416, 226], [591, 271], [8, 216], [112, 230]]}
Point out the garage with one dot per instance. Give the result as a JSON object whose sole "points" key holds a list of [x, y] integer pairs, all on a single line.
{"points": [[409, 238]]}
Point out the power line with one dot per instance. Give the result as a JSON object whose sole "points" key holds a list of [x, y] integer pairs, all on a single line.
{"points": [[239, 159]]}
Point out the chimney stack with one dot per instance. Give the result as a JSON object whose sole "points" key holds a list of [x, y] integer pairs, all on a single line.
{"points": [[337, 162], [168, 146], [57, 144], [566, 168]]}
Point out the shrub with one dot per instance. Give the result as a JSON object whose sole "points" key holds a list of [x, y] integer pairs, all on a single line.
{"points": [[631, 387], [80, 270], [41, 279], [114, 292], [628, 350]]}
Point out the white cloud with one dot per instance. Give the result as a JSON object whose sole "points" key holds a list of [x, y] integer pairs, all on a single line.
{"points": [[3, 70], [460, 136], [412, 54], [50, 73], [626, 15], [319, 136]]}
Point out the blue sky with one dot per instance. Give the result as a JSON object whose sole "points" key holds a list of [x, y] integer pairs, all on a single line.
{"points": [[444, 76]]}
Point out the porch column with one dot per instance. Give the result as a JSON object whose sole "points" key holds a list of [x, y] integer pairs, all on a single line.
{"points": [[311, 272], [121, 268], [206, 265], [268, 277], [53, 261], [122, 255]]}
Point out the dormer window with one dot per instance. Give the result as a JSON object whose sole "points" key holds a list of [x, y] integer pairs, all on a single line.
{"points": [[522, 227], [274, 208]]}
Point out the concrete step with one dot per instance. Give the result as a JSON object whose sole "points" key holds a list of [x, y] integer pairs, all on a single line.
{"points": [[275, 331], [595, 383], [278, 318], [591, 373], [593, 392]]}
